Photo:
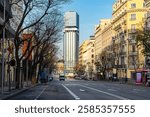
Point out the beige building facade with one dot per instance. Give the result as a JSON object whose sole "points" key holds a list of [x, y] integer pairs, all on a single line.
{"points": [[118, 37], [103, 40], [86, 56], [82, 52], [99, 36]]}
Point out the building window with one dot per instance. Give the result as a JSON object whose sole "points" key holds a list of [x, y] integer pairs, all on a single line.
{"points": [[92, 61], [133, 48], [122, 61], [133, 5], [133, 16], [96, 57], [144, 4], [133, 37], [133, 60], [92, 55], [145, 15], [133, 27]]}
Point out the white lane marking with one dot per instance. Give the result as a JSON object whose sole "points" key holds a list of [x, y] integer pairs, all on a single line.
{"points": [[70, 84], [138, 90], [110, 94], [111, 90], [82, 90], [40, 93], [74, 95]]}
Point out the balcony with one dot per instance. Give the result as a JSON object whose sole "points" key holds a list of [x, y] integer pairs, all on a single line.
{"points": [[117, 27], [132, 53], [147, 3], [132, 41], [132, 31], [124, 66], [131, 66], [119, 16], [120, 66], [123, 41], [123, 53]]}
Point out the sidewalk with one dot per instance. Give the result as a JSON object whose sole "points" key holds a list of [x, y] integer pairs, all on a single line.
{"points": [[129, 82], [6, 94], [122, 81]]}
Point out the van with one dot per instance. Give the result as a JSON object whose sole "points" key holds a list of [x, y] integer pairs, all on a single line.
{"points": [[61, 77]]}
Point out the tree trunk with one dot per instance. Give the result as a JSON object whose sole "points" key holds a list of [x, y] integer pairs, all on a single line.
{"points": [[104, 76], [18, 75], [33, 71], [40, 69]]}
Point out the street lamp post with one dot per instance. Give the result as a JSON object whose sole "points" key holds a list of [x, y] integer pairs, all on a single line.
{"points": [[3, 53]]}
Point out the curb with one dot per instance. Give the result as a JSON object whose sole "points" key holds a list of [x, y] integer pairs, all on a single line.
{"points": [[16, 93]]}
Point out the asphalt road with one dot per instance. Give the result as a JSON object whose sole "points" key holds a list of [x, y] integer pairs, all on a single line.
{"points": [[84, 90]]}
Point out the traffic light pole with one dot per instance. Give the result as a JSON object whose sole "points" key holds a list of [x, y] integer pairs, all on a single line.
{"points": [[3, 53]]}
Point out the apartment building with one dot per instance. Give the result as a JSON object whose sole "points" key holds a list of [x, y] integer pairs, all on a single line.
{"points": [[127, 18], [13, 16], [103, 40], [60, 67], [86, 56], [5, 16], [99, 37], [82, 53]]}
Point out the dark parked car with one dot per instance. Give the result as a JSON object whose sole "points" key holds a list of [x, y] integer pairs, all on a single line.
{"points": [[50, 78]]}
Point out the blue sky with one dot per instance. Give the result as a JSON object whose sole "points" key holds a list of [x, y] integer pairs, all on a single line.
{"points": [[90, 12]]}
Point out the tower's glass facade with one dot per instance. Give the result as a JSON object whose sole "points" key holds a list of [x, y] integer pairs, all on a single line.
{"points": [[71, 41]]}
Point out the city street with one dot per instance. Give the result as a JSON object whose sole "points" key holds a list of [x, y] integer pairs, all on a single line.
{"points": [[84, 90]]}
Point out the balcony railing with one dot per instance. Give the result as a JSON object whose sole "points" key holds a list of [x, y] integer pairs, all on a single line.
{"points": [[132, 53], [132, 31], [132, 41], [120, 66], [123, 53], [131, 66]]}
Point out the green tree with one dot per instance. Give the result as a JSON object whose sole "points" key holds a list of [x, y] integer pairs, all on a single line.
{"points": [[80, 69], [102, 63], [143, 41]]}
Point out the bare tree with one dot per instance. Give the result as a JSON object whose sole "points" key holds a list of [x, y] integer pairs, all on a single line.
{"points": [[80, 69], [102, 63], [34, 15]]}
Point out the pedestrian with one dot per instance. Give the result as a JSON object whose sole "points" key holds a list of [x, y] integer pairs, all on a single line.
{"points": [[113, 77], [109, 76]]}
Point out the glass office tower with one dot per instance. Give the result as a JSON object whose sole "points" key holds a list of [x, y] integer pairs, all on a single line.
{"points": [[71, 41]]}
